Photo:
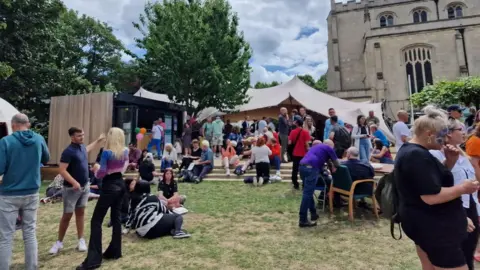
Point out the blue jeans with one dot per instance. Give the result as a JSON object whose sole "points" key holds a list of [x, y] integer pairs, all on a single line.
{"points": [[309, 177], [9, 210], [157, 143], [202, 170], [275, 161], [166, 164], [364, 149], [386, 160]]}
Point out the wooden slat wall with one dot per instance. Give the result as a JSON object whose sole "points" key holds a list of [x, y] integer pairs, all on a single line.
{"points": [[92, 112]]}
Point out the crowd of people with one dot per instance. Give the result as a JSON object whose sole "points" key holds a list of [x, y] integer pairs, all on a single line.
{"points": [[435, 173]]}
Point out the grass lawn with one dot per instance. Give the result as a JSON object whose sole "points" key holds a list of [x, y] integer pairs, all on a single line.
{"points": [[235, 226]]}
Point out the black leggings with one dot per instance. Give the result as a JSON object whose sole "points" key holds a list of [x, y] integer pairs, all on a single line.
{"points": [[113, 189], [167, 225], [186, 161], [470, 244], [263, 170]]}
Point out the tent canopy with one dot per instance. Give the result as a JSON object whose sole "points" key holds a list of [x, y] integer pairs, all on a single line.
{"points": [[296, 89], [313, 100], [7, 111]]}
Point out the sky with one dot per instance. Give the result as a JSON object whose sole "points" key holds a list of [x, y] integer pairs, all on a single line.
{"points": [[288, 37]]}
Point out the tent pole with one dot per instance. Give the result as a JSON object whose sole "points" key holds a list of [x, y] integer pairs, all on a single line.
{"points": [[410, 98]]}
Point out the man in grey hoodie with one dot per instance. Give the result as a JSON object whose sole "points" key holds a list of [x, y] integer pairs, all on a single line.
{"points": [[21, 155]]}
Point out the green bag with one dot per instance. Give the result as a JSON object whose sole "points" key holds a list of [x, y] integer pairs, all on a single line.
{"points": [[387, 197]]}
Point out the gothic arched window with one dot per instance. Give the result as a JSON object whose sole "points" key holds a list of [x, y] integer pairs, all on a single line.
{"points": [[420, 15], [386, 20], [418, 67], [455, 11]]}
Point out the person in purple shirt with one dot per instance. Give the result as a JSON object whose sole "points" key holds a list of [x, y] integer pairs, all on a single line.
{"points": [[113, 163], [310, 167]]}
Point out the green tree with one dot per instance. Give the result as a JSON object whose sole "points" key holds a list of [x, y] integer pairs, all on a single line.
{"points": [[260, 85], [27, 43], [195, 53], [90, 47], [307, 79], [465, 90], [321, 83], [46, 50]]}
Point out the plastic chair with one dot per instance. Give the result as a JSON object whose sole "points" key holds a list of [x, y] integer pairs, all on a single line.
{"points": [[322, 197], [342, 183]]}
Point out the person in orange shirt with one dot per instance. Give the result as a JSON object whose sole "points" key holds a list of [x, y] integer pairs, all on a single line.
{"points": [[472, 148], [229, 156], [275, 157]]}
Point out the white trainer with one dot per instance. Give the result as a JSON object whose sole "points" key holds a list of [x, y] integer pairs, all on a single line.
{"points": [[56, 248], [260, 181], [228, 172], [82, 246]]}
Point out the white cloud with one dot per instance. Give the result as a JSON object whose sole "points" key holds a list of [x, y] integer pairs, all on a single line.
{"points": [[270, 26], [260, 74]]}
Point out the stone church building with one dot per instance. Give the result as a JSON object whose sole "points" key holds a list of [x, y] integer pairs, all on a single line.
{"points": [[375, 46]]}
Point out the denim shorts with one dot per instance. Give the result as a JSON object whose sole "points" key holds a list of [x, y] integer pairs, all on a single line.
{"points": [[73, 199]]}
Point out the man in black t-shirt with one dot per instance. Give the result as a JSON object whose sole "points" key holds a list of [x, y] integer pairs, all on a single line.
{"points": [[75, 172]]}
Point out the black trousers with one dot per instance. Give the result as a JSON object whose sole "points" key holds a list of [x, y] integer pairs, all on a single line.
{"points": [[470, 244], [296, 164], [165, 226], [263, 170], [113, 190], [185, 163]]}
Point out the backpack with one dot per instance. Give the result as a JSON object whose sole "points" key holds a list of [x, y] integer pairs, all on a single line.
{"points": [[387, 197], [342, 137], [238, 170]]}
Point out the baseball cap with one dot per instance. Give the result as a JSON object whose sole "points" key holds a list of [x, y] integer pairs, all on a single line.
{"points": [[457, 108], [299, 121]]}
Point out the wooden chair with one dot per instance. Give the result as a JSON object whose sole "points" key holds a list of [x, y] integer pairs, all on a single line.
{"points": [[322, 187], [342, 183]]}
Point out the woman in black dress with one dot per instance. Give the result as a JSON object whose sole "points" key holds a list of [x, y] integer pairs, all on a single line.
{"points": [[430, 207], [196, 152]]}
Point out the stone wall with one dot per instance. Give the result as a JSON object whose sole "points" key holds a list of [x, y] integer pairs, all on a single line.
{"points": [[366, 61]]}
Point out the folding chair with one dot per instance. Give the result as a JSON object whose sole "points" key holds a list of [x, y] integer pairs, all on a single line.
{"points": [[342, 183], [322, 187]]}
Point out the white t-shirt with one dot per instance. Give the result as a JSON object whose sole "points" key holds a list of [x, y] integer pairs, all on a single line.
{"points": [[400, 129], [157, 132], [260, 154]]}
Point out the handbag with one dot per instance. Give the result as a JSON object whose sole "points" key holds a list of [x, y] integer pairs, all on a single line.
{"points": [[292, 145]]}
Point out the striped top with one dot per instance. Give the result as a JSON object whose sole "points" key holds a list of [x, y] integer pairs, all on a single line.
{"points": [[110, 164], [146, 214]]}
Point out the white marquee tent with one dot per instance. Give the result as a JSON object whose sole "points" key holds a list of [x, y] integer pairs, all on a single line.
{"points": [[7, 111], [309, 97]]}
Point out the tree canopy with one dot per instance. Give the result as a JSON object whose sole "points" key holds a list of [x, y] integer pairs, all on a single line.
{"points": [[465, 90], [320, 84], [195, 53], [260, 85], [47, 50]]}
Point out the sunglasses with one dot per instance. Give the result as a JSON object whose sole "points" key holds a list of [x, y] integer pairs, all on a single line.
{"points": [[456, 129]]}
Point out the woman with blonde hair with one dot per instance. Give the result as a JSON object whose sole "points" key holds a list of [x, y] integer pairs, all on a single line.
{"points": [[462, 171], [113, 163], [169, 157], [430, 205]]}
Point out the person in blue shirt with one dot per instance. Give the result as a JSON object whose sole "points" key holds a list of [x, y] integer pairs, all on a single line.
{"points": [[204, 165], [328, 125], [236, 136], [20, 156], [379, 135]]}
